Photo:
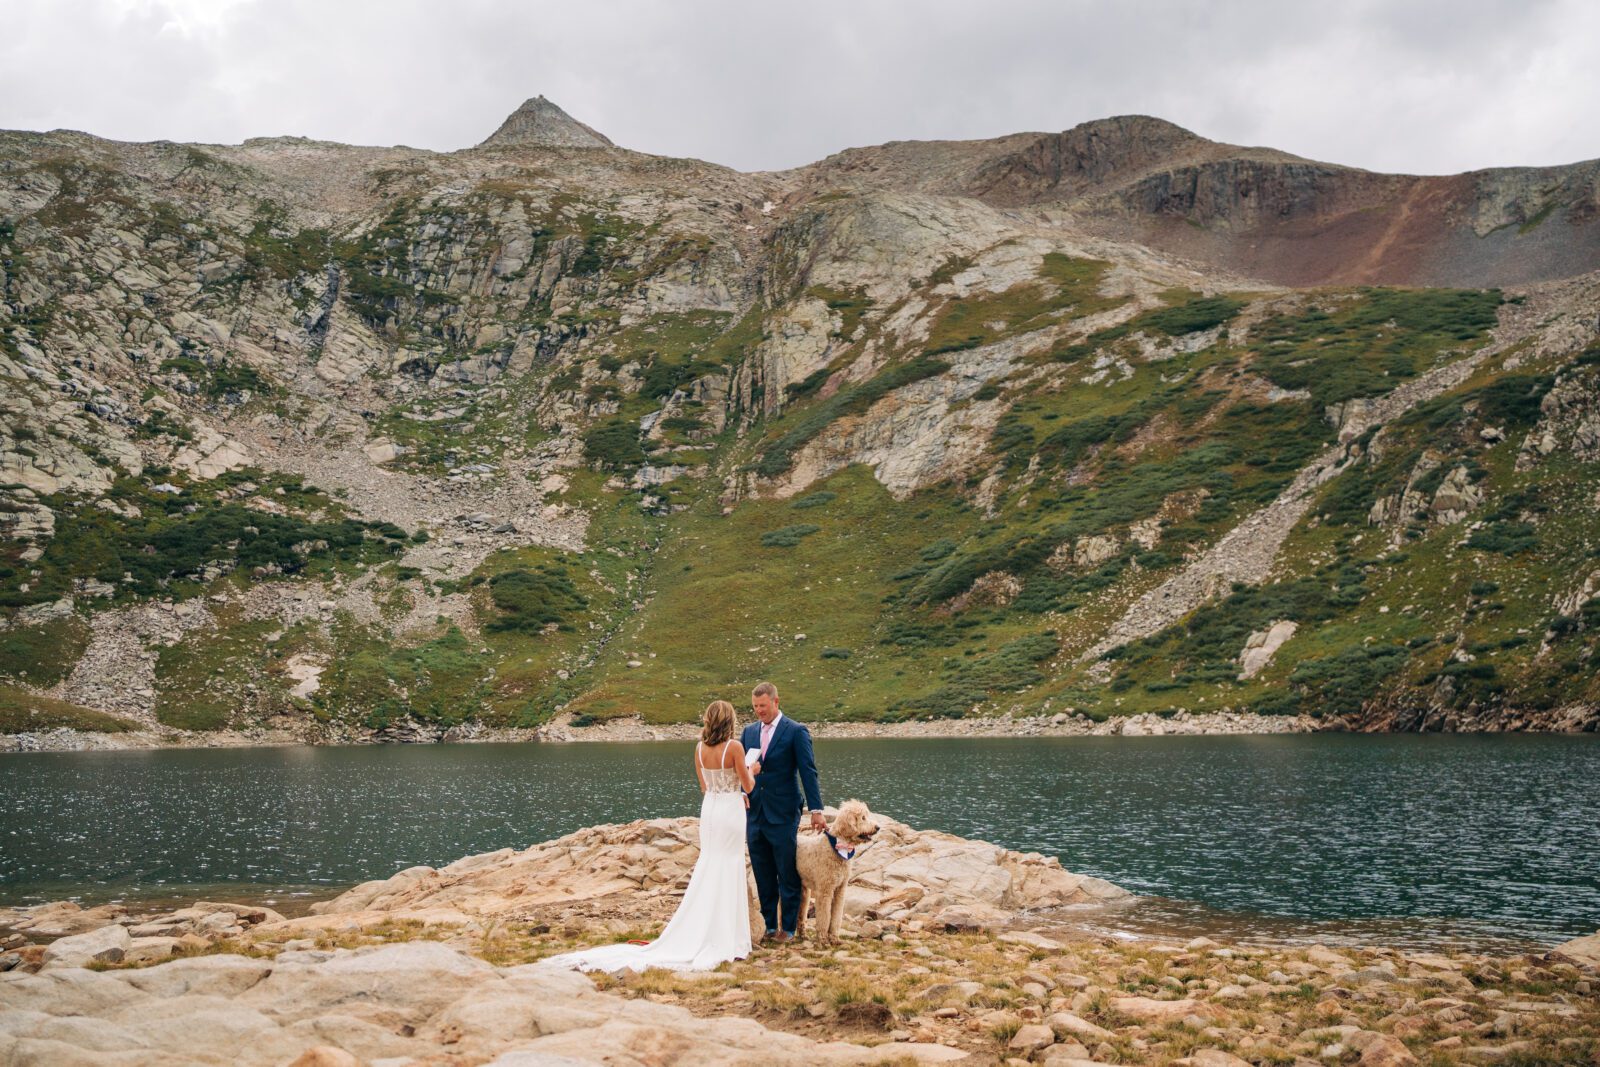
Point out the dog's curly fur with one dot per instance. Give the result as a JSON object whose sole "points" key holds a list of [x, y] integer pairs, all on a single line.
{"points": [[824, 874]]}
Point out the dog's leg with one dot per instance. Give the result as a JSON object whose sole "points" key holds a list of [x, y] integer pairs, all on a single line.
{"points": [[838, 908], [825, 916], [805, 906]]}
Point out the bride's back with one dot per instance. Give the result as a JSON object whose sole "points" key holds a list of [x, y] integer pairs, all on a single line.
{"points": [[719, 776]]}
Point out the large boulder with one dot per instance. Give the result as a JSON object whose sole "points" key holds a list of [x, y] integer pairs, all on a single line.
{"points": [[105, 945], [1585, 950]]}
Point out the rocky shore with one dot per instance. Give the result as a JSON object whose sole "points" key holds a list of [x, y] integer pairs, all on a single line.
{"points": [[955, 951], [1059, 724], [563, 729]]}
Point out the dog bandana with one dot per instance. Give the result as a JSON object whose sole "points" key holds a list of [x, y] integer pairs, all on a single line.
{"points": [[844, 853]]}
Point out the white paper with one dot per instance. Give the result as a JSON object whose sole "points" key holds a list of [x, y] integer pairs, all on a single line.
{"points": [[751, 757]]}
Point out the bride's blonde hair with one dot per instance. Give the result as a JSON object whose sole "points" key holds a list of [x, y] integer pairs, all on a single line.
{"points": [[718, 723]]}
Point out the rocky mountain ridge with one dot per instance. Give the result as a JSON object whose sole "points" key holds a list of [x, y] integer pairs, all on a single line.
{"points": [[347, 441]]}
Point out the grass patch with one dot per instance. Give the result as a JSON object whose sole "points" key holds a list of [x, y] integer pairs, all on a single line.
{"points": [[43, 654], [25, 712]]}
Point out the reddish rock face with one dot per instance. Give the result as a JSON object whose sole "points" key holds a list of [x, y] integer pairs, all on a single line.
{"points": [[1263, 213]]}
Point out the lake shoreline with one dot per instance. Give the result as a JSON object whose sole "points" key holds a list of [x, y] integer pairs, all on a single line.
{"points": [[634, 730], [568, 728], [953, 949]]}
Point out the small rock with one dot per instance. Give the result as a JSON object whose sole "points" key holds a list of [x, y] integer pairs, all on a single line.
{"points": [[951, 991], [1064, 1054], [1031, 1038], [1211, 1057], [1065, 1024], [1386, 1051], [147, 949]]}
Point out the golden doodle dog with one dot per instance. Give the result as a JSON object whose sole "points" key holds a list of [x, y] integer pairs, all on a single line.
{"points": [[824, 864]]}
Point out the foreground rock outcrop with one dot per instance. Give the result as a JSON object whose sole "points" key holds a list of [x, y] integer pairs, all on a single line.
{"points": [[419, 1003], [441, 967], [639, 869]]}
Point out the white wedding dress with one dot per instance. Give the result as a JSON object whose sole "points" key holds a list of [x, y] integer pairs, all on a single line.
{"points": [[712, 923]]}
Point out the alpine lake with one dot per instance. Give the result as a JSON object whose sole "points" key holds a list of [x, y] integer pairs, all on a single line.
{"points": [[1412, 840]]}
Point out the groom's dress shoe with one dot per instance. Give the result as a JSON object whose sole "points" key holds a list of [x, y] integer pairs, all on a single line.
{"points": [[781, 936]]}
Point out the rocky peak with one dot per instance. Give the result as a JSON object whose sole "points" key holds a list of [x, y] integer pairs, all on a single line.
{"points": [[540, 122], [1090, 154]]}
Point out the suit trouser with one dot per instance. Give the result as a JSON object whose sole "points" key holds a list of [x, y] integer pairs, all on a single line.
{"points": [[772, 862]]}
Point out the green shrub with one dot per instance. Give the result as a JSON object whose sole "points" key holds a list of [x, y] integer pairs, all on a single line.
{"points": [[528, 601], [1192, 317], [1514, 399], [814, 500], [682, 423], [1342, 683], [176, 536], [614, 444], [835, 653], [788, 536], [1277, 702], [1506, 538]]}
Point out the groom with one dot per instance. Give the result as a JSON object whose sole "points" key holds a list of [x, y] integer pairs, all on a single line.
{"points": [[781, 749]]}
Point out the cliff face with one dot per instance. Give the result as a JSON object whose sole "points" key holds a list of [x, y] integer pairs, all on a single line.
{"points": [[338, 440]]}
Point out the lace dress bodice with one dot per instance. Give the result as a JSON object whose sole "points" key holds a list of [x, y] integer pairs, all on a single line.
{"points": [[720, 779], [724, 780]]}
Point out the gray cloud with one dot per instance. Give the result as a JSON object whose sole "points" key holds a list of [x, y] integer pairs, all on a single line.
{"points": [[1424, 86]]}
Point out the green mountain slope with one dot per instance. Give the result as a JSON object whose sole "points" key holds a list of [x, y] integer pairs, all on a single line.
{"points": [[335, 441]]}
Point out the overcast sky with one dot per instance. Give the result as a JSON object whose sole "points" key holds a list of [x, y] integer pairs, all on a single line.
{"points": [[1429, 86]]}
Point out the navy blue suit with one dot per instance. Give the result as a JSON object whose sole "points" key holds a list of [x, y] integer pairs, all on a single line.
{"points": [[773, 820]]}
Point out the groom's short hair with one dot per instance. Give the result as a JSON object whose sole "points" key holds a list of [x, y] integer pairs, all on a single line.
{"points": [[765, 689]]}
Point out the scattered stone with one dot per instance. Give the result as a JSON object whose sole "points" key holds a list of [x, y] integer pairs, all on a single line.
{"points": [[1065, 1025], [1386, 1051], [1031, 1038]]}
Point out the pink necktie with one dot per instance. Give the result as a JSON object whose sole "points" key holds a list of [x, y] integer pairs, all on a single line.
{"points": [[766, 735]]}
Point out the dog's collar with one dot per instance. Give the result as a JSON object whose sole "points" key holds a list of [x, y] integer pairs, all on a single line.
{"points": [[844, 853]]}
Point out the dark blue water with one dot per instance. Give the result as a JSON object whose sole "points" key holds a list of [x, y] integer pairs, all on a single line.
{"points": [[1465, 839]]}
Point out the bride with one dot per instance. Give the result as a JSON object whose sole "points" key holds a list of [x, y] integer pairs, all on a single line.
{"points": [[712, 923]]}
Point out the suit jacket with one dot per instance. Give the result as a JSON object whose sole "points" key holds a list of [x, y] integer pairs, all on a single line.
{"points": [[789, 767]]}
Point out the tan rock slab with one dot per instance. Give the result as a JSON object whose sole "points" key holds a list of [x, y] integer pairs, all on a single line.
{"points": [[1031, 1038], [106, 945], [1211, 1057], [1065, 1025], [1148, 1009]]}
